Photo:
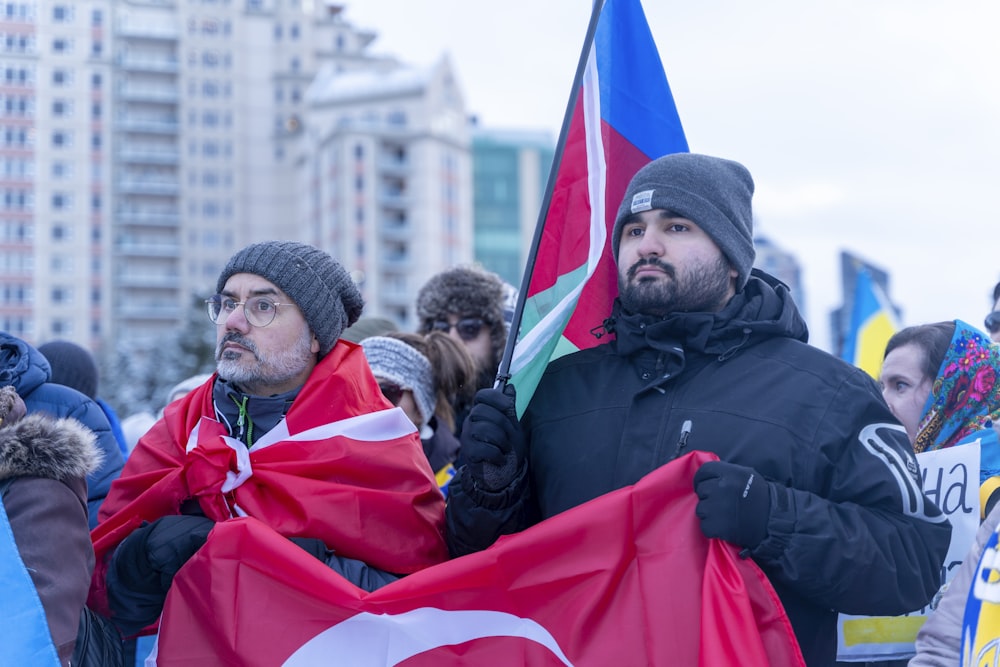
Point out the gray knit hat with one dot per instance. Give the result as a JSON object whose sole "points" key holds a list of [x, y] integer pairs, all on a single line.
{"points": [[315, 281], [393, 360], [711, 192]]}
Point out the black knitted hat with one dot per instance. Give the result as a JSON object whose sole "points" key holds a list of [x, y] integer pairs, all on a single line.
{"points": [[711, 192], [72, 366], [315, 281]]}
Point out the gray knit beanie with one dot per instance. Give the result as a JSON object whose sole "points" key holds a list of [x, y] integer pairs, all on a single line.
{"points": [[393, 360], [711, 192], [315, 281]]}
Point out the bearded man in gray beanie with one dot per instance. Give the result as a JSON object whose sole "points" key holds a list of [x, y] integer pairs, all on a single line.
{"points": [[815, 476], [292, 430]]}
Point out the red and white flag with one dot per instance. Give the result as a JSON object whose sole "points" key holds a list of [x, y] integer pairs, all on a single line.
{"points": [[626, 579]]}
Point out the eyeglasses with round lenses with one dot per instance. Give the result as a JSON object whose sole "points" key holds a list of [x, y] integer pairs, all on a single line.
{"points": [[259, 310], [993, 322], [468, 327]]}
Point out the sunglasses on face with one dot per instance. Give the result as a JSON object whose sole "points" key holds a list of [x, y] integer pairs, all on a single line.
{"points": [[993, 322], [392, 392], [468, 327]]}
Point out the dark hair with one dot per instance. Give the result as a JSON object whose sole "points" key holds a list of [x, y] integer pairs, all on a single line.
{"points": [[454, 370], [996, 293], [932, 339]]}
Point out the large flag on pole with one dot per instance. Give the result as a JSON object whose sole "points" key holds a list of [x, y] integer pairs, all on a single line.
{"points": [[626, 579], [620, 116], [872, 319]]}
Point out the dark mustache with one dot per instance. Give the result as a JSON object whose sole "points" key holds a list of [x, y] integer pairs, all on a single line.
{"points": [[239, 339], [651, 261]]}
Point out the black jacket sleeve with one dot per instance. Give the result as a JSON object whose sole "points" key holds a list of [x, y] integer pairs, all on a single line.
{"points": [[873, 522]]}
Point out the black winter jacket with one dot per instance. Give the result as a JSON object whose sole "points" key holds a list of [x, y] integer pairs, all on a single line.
{"points": [[850, 529]]}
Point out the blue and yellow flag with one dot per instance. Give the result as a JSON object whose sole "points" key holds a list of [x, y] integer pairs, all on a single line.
{"points": [[873, 322]]}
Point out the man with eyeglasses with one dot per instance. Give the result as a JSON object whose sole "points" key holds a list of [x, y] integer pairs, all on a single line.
{"points": [[467, 303], [291, 430]]}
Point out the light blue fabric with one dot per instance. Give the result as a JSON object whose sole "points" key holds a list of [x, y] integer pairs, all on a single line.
{"points": [[24, 632]]}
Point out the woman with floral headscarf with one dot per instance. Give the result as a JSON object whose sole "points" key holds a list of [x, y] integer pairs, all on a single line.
{"points": [[942, 381]]}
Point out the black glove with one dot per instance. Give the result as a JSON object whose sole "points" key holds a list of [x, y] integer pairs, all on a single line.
{"points": [[313, 546], [149, 558], [143, 567], [492, 442], [734, 503]]}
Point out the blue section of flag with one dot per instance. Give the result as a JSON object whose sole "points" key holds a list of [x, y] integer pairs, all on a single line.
{"points": [[635, 96], [24, 633], [866, 306]]}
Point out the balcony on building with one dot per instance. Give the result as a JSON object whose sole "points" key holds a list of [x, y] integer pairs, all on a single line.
{"points": [[147, 248], [148, 63], [136, 26], [149, 216], [147, 92], [136, 153], [160, 311], [145, 279], [149, 124], [148, 186]]}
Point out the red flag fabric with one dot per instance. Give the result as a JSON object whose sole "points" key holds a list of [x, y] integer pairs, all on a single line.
{"points": [[626, 579], [333, 470]]}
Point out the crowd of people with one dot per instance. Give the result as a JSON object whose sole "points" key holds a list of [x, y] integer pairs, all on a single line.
{"points": [[381, 452]]}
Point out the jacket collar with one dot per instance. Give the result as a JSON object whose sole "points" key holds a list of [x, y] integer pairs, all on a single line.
{"points": [[763, 310]]}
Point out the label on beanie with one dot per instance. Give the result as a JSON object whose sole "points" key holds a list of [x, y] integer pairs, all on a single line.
{"points": [[642, 201]]}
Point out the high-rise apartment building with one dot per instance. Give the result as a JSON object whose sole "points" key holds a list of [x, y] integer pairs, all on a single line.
{"points": [[510, 173], [143, 141], [385, 170]]}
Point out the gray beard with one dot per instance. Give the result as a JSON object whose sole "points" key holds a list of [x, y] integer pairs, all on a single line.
{"points": [[265, 370]]}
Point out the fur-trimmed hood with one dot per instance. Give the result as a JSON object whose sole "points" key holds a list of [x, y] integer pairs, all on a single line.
{"points": [[41, 446]]}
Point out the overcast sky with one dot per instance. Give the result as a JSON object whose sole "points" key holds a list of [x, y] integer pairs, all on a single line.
{"points": [[871, 126]]}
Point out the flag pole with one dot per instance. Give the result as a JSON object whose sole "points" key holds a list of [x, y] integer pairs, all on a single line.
{"points": [[503, 372]]}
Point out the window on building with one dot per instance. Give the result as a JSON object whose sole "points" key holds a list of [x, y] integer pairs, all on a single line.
{"points": [[293, 31], [62, 14], [59, 77], [61, 45], [96, 17]]}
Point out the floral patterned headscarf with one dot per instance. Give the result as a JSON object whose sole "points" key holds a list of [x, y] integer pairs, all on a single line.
{"points": [[965, 397]]}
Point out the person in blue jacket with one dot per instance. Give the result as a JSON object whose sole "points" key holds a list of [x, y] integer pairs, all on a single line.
{"points": [[27, 369], [74, 366]]}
